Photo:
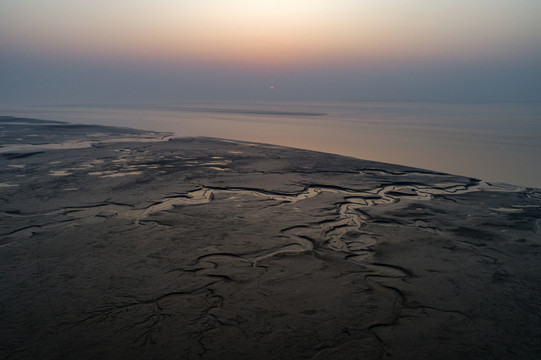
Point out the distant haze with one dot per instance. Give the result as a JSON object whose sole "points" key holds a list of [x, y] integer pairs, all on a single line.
{"points": [[65, 51]]}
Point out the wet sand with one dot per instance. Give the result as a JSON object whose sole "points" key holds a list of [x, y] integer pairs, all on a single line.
{"points": [[202, 248]]}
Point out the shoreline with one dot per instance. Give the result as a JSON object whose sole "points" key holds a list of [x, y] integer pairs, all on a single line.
{"points": [[494, 142], [138, 135]]}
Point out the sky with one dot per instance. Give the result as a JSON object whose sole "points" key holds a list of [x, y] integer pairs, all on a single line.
{"points": [[120, 51]]}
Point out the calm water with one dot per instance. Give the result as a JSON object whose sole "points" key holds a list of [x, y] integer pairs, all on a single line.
{"points": [[494, 142]]}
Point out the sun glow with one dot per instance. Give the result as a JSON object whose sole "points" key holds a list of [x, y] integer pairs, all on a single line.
{"points": [[269, 33]]}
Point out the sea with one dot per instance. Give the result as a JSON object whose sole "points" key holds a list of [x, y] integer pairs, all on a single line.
{"points": [[495, 142]]}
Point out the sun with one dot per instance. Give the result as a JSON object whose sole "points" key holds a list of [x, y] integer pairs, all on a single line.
{"points": [[271, 87]]}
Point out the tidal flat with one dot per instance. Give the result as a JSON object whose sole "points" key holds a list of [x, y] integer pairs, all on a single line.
{"points": [[122, 243]]}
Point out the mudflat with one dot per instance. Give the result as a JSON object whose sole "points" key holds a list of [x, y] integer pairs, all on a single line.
{"points": [[120, 243]]}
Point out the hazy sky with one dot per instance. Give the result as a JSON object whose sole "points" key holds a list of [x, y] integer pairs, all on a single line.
{"points": [[66, 51]]}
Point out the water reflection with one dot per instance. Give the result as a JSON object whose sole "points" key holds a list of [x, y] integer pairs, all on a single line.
{"points": [[495, 142]]}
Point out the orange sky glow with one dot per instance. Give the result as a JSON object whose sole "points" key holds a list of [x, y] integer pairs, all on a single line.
{"points": [[276, 34]]}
